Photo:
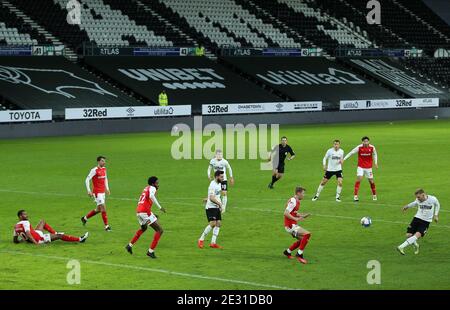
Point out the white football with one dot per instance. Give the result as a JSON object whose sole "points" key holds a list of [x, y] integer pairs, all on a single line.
{"points": [[366, 221]]}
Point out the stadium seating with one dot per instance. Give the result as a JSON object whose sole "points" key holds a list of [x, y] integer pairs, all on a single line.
{"points": [[14, 31], [326, 24], [353, 13], [419, 8], [109, 27], [395, 30], [436, 69], [52, 17], [144, 15], [228, 24]]}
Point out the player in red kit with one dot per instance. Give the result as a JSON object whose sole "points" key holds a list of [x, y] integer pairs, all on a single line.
{"points": [[99, 191], [146, 217], [291, 219], [24, 232], [367, 158]]}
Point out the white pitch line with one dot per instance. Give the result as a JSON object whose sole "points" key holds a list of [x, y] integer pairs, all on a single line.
{"points": [[192, 204], [174, 273], [323, 215], [192, 198]]}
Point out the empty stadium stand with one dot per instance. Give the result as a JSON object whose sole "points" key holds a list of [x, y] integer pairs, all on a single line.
{"points": [[229, 24], [331, 25], [436, 70], [14, 31]]}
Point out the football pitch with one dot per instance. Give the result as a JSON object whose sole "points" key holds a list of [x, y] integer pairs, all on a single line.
{"points": [[46, 177]]}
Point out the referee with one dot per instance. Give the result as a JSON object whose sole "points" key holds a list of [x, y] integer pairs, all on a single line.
{"points": [[278, 155]]}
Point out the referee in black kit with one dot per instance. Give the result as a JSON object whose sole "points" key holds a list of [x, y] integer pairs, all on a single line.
{"points": [[278, 155]]}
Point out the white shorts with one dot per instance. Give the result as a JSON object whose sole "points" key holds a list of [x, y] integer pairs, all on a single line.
{"points": [[99, 199], [145, 219], [46, 237], [364, 172], [293, 230]]}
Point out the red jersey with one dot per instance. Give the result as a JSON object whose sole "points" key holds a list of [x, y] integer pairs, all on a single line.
{"points": [[145, 201], [366, 155], [99, 180], [292, 206], [23, 227]]}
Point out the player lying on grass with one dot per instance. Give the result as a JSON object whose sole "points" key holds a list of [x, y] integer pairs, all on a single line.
{"points": [[427, 209], [146, 217], [23, 231], [291, 219], [335, 158], [213, 211]]}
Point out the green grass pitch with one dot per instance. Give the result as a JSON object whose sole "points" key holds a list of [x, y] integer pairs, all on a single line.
{"points": [[46, 176]]}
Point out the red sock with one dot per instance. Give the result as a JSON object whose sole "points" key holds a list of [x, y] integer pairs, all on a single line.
{"points": [[105, 218], [137, 236], [70, 238], [91, 214], [357, 184], [304, 241], [155, 241], [49, 229], [374, 190], [294, 245]]}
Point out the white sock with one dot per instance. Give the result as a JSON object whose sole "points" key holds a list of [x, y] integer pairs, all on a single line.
{"points": [[130, 244], [215, 234], [408, 242], [224, 203], [338, 191], [411, 240], [150, 251], [300, 252], [319, 190], [288, 250], [205, 232]]}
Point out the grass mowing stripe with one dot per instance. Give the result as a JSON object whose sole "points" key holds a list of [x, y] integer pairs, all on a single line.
{"points": [[175, 273], [248, 209], [190, 198]]}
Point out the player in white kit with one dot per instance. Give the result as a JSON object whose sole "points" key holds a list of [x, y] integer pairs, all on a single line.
{"points": [[427, 210], [335, 158], [218, 163], [213, 211]]}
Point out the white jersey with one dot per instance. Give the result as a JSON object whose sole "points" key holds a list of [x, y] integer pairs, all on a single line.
{"points": [[214, 189], [334, 159], [426, 209], [219, 165]]}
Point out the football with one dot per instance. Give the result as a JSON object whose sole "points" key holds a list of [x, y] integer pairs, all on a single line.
{"points": [[366, 221]]}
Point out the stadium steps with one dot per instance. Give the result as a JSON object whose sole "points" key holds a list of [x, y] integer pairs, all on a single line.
{"points": [[175, 28], [68, 52], [262, 14], [353, 14], [419, 8], [419, 19], [181, 23]]}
